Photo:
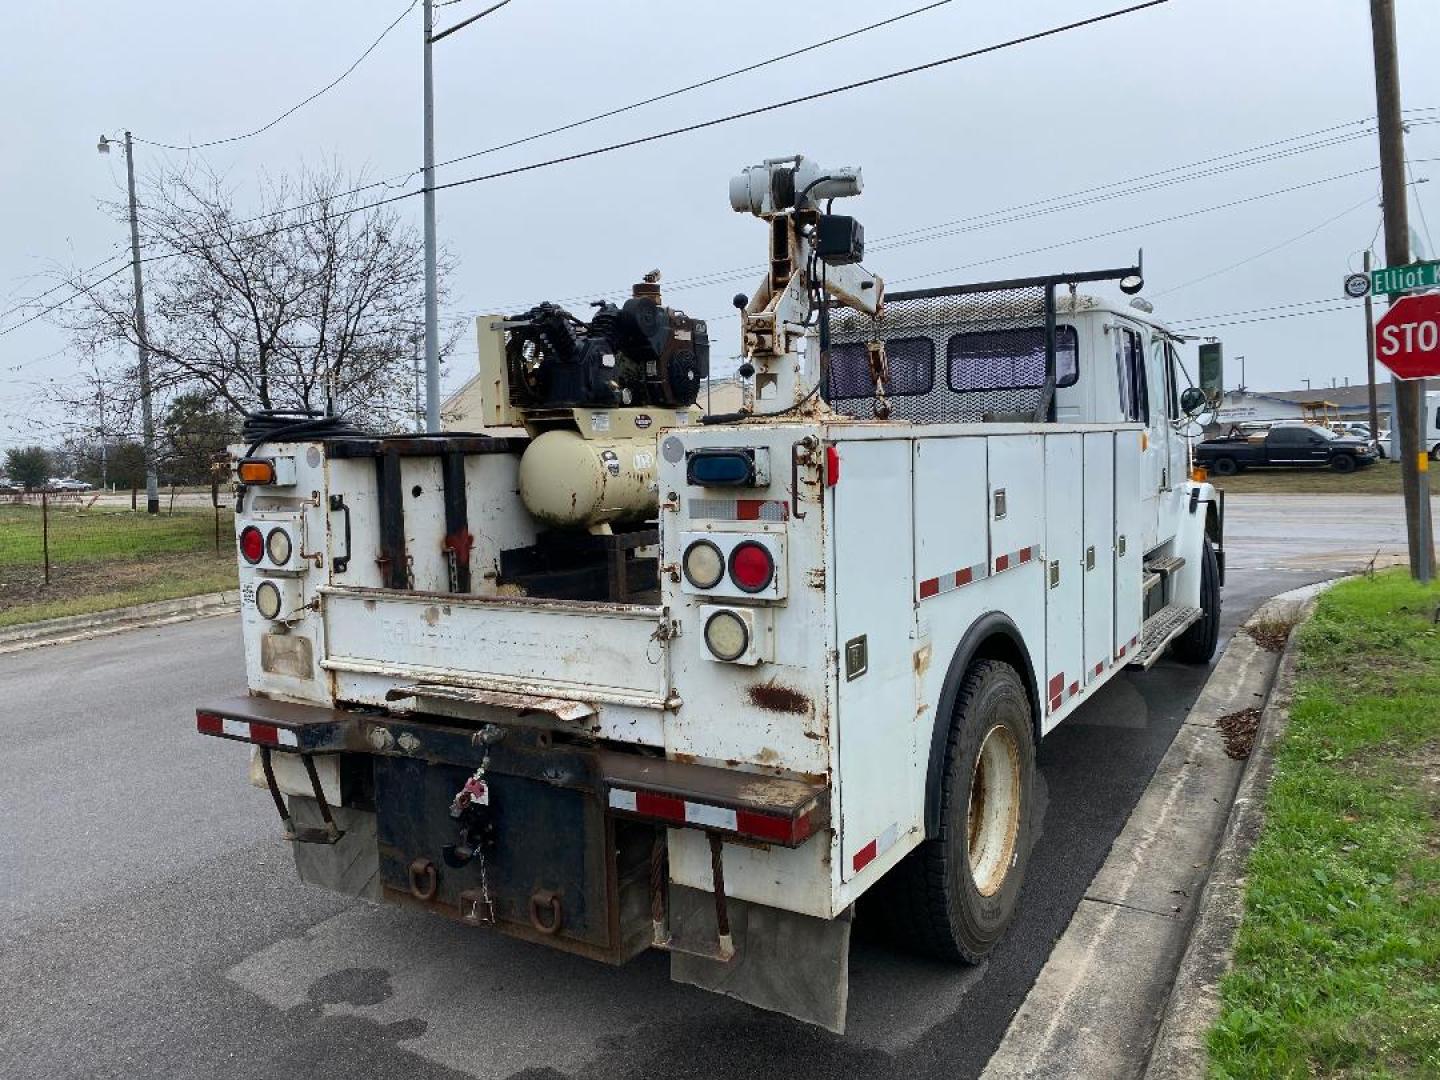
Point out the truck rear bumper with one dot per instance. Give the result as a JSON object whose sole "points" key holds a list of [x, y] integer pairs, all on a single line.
{"points": [[568, 846]]}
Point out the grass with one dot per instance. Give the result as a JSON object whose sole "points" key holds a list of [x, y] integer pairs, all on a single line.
{"points": [[1337, 963], [1382, 478], [104, 558]]}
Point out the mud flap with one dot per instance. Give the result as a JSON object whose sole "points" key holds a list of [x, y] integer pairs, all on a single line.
{"points": [[788, 963], [352, 865]]}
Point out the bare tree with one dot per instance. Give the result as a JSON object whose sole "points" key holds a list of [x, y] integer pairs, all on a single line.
{"points": [[309, 302]]}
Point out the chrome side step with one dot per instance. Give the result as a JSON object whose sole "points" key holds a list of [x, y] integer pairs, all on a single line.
{"points": [[1158, 569], [1160, 630]]}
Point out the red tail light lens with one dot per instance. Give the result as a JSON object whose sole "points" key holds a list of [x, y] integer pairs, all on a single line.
{"points": [[751, 566], [252, 544]]}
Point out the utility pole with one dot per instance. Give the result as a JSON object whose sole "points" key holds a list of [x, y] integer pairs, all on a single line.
{"points": [[147, 417], [432, 300], [1370, 357], [1406, 424]]}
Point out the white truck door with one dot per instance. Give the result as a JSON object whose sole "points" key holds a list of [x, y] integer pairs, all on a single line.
{"points": [[874, 591], [1131, 510], [1064, 573], [1098, 563]]}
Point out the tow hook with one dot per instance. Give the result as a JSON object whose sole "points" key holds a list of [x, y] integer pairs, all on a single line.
{"points": [[546, 913], [423, 879]]}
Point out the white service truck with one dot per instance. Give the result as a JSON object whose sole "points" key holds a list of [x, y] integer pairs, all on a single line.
{"points": [[643, 678]]}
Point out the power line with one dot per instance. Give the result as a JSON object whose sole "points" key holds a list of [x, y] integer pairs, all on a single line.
{"points": [[802, 99], [57, 287], [1369, 199], [294, 108], [1199, 319], [1185, 327], [694, 86]]}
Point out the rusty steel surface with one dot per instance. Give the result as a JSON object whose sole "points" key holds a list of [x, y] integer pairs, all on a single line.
{"points": [[786, 795]]}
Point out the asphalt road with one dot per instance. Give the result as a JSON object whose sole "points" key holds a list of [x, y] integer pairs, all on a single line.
{"points": [[151, 923]]}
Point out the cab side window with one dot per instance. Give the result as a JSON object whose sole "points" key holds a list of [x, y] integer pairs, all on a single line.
{"points": [[1130, 368], [1172, 392]]}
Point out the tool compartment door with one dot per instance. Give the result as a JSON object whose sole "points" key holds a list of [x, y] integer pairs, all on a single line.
{"points": [[1098, 565], [874, 590], [1064, 571], [1131, 508]]}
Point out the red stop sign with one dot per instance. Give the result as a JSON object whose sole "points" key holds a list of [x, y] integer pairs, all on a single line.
{"points": [[1407, 339]]}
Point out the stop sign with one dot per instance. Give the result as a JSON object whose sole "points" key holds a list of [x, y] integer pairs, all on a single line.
{"points": [[1407, 339]]}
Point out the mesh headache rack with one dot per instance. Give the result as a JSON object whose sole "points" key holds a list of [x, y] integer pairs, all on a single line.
{"points": [[988, 351]]}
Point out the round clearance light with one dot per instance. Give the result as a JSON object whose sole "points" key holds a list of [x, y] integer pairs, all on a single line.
{"points": [[704, 565], [278, 547], [751, 566], [726, 635], [252, 544], [267, 599]]}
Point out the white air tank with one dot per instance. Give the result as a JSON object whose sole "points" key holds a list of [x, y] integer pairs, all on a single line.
{"points": [[570, 482]]}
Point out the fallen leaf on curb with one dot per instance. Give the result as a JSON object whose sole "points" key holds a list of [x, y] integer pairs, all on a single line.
{"points": [[1239, 731]]}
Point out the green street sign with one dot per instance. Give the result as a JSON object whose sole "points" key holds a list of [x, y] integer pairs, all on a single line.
{"points": [[1394, 279]]}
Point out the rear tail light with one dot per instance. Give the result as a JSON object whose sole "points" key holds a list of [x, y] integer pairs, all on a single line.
{"points": [[752, 567], [252, 544], [267, 599], [726, 635], [704, 565], [278, 546]]}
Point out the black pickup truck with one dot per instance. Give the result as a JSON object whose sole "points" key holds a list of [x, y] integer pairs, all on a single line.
{"points": [[1290, 446]]}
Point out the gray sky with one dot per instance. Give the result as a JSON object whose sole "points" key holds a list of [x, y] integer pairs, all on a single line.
{"points": [[1187, 81]]}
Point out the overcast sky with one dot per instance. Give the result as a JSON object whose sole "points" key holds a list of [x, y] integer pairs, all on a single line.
{"points": [[1188, 81]]}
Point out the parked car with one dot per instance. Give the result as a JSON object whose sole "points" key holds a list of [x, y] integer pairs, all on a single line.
{"points": [[67, 483], [1289, 446]]}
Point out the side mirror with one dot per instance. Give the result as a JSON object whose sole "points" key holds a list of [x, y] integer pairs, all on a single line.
{"points": [[1212, 370], [1194, 401]]}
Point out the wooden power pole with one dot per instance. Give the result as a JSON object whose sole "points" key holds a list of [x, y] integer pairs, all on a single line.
{"points": [[1406, 424]]}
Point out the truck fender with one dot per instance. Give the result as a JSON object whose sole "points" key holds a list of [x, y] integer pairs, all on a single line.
{"points": [[991, 636]]}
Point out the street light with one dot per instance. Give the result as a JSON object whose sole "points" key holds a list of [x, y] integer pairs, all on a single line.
{"points": [[147, 418]]}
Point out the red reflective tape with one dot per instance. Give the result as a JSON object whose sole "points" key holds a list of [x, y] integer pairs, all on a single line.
{"points": [[1057, 683], [864, 856], [929, 587], [666, 807], [1074, 689], [1054, 703], [209, 723], [748, 509], [1002, 562], [265, 733], [1121, 653], [1099, 667], [964, 577], [1025, 554], [764, 826]]}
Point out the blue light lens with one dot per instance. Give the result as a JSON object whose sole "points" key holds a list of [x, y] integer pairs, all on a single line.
{"points": [[721, 468]]}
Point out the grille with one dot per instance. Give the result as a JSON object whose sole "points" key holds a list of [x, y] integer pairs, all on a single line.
{"points": [[956, 355]]}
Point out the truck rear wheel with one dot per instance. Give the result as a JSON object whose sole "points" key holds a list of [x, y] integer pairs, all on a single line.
{"points": [[1197, 645], [1225, 466], [955, 894]]}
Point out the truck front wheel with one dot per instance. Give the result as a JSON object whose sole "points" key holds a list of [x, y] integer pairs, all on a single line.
{"points": [[1343, 463], [955, 894], [1197, 645], [1225, 466]]}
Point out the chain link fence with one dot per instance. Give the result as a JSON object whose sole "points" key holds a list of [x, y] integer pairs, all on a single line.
{"points": [[66, 552]]}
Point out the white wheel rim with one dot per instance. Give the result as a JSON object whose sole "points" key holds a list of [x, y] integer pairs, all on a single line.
{"points": [[993, 810]]}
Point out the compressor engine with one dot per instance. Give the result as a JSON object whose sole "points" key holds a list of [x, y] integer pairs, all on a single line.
{"points": [[634, 355]]}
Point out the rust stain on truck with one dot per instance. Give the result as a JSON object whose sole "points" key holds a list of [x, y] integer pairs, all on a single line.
{"points": [[774, 697]]}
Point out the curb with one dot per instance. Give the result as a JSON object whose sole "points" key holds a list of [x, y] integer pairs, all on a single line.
{"points": [[1097, 1004], [82, 627], [1180, 1048]]}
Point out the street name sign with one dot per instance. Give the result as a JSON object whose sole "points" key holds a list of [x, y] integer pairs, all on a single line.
{"points": [[1394, 279], [1407, 339]]}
